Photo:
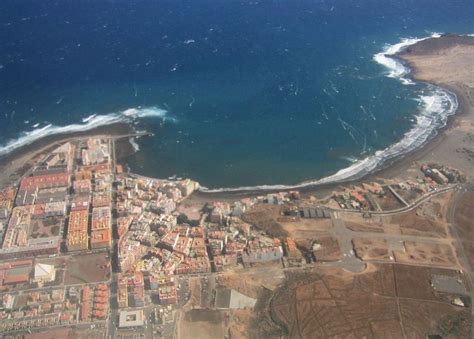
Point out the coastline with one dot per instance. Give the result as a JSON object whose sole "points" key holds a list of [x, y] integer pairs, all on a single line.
{"points": [[12, 163], [405, 163]]}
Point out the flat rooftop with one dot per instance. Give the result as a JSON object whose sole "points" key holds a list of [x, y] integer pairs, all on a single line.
{"points": [[133, 318]]}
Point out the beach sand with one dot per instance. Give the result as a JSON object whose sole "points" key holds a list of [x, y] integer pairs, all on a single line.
{"points": [[445, 62]]}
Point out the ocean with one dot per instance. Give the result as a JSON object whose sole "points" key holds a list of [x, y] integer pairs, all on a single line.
{"points": [[237, 93]]}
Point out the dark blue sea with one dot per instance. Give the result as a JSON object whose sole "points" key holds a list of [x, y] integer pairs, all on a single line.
{"points": [[238, 93]]}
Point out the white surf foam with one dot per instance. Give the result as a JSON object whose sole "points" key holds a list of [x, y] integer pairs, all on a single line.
{"points": [[147, 112], [89, 118], [395, 68], [91, 122], [134, 144], [434, 110]]}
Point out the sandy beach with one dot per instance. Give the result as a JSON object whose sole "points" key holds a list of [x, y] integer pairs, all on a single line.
{"points": [[444, 62]]}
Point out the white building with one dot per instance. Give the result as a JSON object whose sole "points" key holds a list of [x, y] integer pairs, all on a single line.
{"points": [[133, 318], [44, 273]]}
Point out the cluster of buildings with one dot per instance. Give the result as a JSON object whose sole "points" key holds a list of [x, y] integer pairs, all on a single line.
{"points": [[24, 306], [153, 248], [24, 273], [360, 197], [442, 175], [90, 219], [57, 306], [71, 189], [64, 203], [262, 249], [38, 212], [94, 302], [151, 244], [7, 198], [370, 196], [76, 201], [131, 290], [152, 241]]}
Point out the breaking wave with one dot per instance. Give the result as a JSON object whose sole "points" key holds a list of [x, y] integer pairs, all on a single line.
{"points": [[134, 144], [89, 123], [395, 68], [434, 110]]}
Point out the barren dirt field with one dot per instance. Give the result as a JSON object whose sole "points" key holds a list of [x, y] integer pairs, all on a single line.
{"points": [[201, 323], [329, 304], [418, 222], [328, 250], [414, 282], [265, 217], [192, 211], [370, 249], [332, 303], [465, 216], [68, 333], [197, 321], [388, 202], [426, 254], [307, 228], [87, 268], [238, 325], [421, 318], [195, 289], [251, 282], [364, 226], [464, 223]]}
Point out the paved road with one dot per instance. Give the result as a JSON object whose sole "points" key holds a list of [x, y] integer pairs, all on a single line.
{"points": [[349, 261], [408, 208], [112, 320], [344, 236], [398, 237]]}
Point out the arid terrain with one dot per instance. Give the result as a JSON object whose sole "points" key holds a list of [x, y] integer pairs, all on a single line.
{"points": [[391, 275], [387, 256]]}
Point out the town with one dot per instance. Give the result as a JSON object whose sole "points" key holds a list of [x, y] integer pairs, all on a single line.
{"points": [[91, 249]]}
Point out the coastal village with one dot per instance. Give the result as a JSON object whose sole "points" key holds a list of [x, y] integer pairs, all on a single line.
{"points": [[90, 250]]}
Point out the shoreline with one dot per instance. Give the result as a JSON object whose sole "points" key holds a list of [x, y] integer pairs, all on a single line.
{"points": [[15, 164], [387, 170], [393, 167]]}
